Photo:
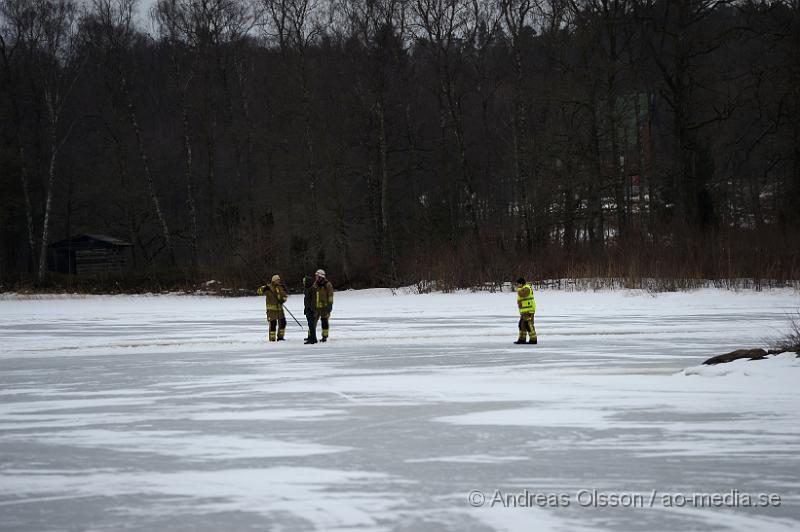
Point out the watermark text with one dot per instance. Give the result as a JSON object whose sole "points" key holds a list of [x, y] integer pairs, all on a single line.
{"points": [[594, 498]]}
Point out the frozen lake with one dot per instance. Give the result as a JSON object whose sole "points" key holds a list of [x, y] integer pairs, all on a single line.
{"points": [[175, 413]]}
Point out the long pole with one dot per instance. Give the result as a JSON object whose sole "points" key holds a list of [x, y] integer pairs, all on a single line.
{"points": [[292, 315], [247, 263]]}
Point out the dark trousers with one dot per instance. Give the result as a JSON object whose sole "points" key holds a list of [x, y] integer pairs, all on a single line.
{"points": [[312, 325], [280, 325], [273, 324]]}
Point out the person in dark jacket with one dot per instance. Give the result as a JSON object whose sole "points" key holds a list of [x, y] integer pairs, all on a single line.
{"points": [[324, 304], [310, 308]]}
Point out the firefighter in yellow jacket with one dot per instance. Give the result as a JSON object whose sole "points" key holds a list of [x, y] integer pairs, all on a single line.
{"points": [[527, 308], [324, 297], [276, 297]]}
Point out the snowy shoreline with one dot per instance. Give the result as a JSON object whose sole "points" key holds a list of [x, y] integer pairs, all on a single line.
{"points": [[652, 286]]}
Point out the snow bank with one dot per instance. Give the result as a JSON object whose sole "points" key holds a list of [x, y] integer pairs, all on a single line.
{"points": [[784, 366]]}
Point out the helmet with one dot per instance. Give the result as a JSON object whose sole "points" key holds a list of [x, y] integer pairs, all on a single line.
{"points": [[276, 278], [521, 280], [320, 273], [307, 280]]}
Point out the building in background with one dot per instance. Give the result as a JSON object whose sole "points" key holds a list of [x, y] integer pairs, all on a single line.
{"points": [[89, 255]]}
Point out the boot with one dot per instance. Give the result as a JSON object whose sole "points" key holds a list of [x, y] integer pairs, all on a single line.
{"points": [[308, 341], [532, 340], [281, 339], [324, 339]]}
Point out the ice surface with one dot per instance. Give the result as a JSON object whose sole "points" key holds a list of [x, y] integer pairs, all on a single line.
{"points": [[170, 412]]}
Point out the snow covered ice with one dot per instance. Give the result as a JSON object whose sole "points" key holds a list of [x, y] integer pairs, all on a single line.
{"points": [[175, 413]]}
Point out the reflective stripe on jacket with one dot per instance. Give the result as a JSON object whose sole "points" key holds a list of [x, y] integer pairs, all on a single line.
{"points": [[276, 296], [324, 294], [525, 301]]}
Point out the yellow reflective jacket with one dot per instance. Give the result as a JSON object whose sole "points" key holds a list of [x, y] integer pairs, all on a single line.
{"points": [[525, 301], [275, 295], [324, 294]]}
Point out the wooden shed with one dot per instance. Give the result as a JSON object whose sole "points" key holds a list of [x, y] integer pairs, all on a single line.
{"points": [[89, 255]]}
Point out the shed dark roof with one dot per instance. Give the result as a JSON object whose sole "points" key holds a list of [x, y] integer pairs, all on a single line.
{"points": [[88, 239]]}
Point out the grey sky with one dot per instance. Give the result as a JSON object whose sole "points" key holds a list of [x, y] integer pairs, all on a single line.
{"points": [[144, 10]]}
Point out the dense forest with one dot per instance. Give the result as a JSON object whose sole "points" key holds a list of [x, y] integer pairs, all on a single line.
{"points": [[398, 141]]}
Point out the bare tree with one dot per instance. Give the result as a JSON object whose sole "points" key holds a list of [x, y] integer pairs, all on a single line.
{"points": [[169, 17], [116, 36], [47, 30], [450, 27], [521, 20], [296, 24], [12, 26], [208, 27], [606, 26], [379, 26], [679, 36]]}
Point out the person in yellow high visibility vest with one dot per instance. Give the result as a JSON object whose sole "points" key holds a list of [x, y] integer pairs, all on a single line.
{"points": [[527, 308], [275, 298]]}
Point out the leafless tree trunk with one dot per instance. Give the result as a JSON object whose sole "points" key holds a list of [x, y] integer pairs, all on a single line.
{"points": [[678, 40], [9, 44], [448, 25], [296, 24], [49, 29], [169, 16], [247, 155], [116, 20], [148, 175], [380, 27], [519, 16]]}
